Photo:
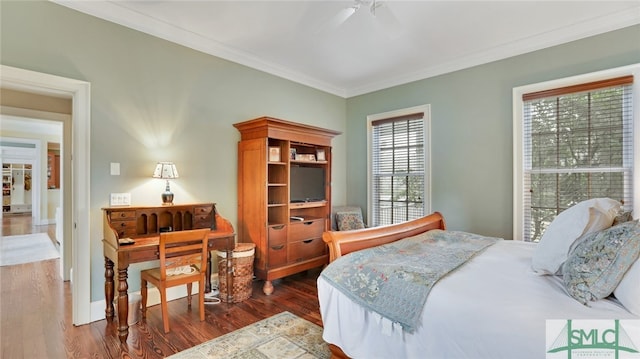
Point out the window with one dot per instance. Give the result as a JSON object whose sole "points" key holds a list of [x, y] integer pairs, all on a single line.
{"points": [[574, 141], [399, 171]]}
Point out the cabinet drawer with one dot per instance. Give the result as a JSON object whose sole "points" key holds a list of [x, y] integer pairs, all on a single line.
{"points": [[306, 230], [277, 235], [277, 255], [306, 249], [119, 215]]}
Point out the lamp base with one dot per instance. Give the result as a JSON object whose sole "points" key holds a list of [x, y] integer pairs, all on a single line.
{"points": [[167, 199]]}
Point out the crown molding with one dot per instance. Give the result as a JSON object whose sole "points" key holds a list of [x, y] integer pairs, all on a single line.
{"points": [[116, 13]]}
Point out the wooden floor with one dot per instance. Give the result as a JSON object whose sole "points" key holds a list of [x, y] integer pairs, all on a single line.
{"points": [[35, 314]]}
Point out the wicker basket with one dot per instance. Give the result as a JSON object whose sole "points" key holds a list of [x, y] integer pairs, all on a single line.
{"points": [[242, 272]]}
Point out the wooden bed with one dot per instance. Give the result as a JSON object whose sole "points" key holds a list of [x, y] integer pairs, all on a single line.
{"points": [[470, 313], [344, 242]]}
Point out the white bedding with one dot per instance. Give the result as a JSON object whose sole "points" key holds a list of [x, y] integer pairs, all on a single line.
{"points": [[494, 306]]}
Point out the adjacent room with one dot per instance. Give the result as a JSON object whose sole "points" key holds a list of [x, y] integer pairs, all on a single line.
{"points": [[302, 135]]}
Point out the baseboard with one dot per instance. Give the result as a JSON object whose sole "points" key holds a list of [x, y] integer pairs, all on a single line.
{"points": [[153, 298]]}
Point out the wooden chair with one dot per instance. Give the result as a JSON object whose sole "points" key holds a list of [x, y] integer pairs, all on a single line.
{"points": [[183, 260]]}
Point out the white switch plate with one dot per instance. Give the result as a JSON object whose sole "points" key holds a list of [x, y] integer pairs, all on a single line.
{"points": [[115, 169], [120, 199]]}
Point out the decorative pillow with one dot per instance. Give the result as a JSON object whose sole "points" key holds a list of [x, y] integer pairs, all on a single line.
{"points": [[349, 220], [585, 217], [598, 264], [621, 217], [628, 291]]}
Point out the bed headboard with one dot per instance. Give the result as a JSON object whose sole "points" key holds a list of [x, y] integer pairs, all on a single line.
{"points": [[343, 242]]}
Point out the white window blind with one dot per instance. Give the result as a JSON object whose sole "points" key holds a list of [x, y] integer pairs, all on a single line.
{"points": [[578, 144], [398, 169]]}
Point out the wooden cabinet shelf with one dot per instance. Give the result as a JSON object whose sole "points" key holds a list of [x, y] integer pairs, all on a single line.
{"points": [[16, 188], [284, 246]]}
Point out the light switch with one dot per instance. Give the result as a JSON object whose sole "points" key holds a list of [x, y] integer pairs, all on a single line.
{"points": [[115, 169], [120, 199]]}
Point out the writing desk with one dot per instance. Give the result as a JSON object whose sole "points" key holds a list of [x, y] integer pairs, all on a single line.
{"points": [[143, 225]]}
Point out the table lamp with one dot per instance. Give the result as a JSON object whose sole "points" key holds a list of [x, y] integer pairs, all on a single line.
{"points": [[166, 170]]}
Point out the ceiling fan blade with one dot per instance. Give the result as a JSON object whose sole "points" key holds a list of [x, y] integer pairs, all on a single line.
{"points": [[342, 16]]}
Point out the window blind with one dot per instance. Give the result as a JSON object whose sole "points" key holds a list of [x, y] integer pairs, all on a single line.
{"points": [[578, 144], [398, 169]]}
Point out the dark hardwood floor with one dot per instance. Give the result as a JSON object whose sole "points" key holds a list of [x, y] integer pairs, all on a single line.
{"points": [[35, 313]]}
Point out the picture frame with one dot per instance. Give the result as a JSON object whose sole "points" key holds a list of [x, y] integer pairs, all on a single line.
{"points": [[292, 153], [320, 155], [274, 154], [306, 157]]}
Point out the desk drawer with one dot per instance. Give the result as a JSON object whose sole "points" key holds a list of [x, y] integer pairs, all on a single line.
{"points": [[123, 215], [306, 230], [202, 221], [306, 249], [202, 217], [202, 210], [124, 228], [147, 254]]}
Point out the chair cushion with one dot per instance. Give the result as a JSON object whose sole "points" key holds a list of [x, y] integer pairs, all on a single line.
{"points": [[349, 220]]}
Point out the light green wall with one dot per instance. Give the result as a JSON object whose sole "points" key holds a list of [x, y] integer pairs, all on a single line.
{"points": [[154, 100], [471, 127]]}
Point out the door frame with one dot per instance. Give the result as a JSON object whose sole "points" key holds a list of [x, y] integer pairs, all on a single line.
{"points": [[77, 216]]}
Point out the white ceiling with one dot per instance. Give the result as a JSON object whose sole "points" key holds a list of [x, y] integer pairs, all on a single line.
{"points": [[404, 41]]}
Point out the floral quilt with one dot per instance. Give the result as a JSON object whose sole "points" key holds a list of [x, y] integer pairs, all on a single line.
{"points": [[394, 280]]}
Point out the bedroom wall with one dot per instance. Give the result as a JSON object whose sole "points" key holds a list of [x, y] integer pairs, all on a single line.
{"points": [[471, 127], [153, 100]]}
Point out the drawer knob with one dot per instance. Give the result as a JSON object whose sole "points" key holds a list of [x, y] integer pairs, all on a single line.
{"points": [[277, 248], [279, 227], [307, 240]]}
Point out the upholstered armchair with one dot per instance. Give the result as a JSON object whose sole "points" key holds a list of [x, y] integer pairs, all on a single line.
{"points": [[346, 218]]}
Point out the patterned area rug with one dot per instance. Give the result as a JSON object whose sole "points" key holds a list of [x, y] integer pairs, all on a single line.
{"points": [[26, 248], [283, 336]]}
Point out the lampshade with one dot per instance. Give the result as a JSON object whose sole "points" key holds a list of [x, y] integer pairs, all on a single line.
{"points": [[166, 170]]}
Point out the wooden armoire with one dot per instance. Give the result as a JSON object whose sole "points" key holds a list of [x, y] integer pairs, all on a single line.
{"points": [[287, 232]]}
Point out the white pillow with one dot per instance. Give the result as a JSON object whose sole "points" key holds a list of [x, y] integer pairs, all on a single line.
{"points": [[585, 217], [628, 291]]}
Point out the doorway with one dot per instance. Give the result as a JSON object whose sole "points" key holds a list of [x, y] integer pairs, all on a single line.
{"points": [[77, 211]]}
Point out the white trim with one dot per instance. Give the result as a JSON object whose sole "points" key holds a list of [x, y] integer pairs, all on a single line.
{"points": [[80, 238], [426, 110], [119, 14], [518, 145]]}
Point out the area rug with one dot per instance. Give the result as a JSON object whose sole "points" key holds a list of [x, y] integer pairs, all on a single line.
{"points": [[283, 336], [26, 248]]}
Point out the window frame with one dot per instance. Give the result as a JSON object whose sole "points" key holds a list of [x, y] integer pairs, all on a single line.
{"points": [[426, 111], [519, 141]]}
